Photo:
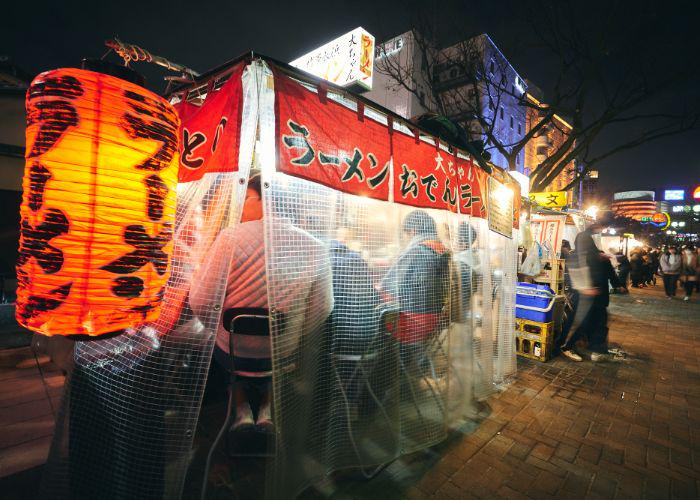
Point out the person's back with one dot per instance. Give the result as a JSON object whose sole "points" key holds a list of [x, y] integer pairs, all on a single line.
{"points": [[419, 280], [355, 318]]}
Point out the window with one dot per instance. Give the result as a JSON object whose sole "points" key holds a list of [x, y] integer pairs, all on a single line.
{"points": [[520, 129], [491, 105], [511, 121], [492, 67], [501, 113], [542, 150], [512, 89]]}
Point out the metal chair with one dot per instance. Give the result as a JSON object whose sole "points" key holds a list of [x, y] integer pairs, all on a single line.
{"points": [[364, 365], [249, 360]]}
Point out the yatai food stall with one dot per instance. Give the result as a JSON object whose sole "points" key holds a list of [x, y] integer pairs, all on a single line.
{"points": [[335, 170]]}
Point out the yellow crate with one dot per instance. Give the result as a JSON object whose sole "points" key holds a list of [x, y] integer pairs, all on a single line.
{"points": [[534, 340]]}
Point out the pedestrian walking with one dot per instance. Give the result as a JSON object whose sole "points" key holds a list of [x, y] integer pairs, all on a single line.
{"points": [[690, 268], [670, 265], [636, 268], [593, 271]]}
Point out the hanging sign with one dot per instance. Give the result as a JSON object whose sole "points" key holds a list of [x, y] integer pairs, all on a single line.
{"points": [[210, 132], [500, 211], [549, 229], [549, 199], [321, 140], [344, 61], [98, 206], [424, 175]]}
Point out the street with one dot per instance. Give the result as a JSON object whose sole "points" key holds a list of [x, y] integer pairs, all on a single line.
{"points": [[628, 429], [625, 429]]}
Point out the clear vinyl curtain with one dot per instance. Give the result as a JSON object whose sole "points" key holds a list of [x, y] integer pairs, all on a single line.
{"points": [[131, 402], [381, 340]]}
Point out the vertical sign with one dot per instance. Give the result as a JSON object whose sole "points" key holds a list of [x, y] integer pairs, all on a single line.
{"points": [[500, 208]]}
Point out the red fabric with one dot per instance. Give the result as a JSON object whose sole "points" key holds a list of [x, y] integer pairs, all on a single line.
{"points": [[472, 189], [424, 176], [210, 133], [318, 140], [415, 327]]}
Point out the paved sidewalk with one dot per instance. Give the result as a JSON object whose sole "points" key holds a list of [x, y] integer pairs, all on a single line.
{"points": [[627, 429]]}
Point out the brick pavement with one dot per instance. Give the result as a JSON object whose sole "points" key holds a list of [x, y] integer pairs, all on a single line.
{"points": [[628, 429]]}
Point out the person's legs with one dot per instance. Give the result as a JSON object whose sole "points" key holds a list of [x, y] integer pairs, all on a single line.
{"points": [[667, 284], [635, 279], [673, 284], [244, 414], [265, 411], [688, 285], [598, 339]]}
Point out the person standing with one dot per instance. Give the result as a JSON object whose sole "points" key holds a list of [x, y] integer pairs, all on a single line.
{"points": [[593, 271], [636, 268], [670, 265], [623, 267], [690, 268]]}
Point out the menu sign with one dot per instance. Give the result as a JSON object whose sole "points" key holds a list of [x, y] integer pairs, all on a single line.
{"points": [[500, 208]]}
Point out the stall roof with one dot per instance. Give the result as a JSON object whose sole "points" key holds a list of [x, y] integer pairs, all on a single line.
{"points": [[301, 75]]}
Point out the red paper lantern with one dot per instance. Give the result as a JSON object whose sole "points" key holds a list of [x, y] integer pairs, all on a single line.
{"points": [[99, 204]]}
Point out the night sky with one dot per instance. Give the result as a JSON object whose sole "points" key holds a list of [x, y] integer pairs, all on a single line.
{"points": [[38, 36]]}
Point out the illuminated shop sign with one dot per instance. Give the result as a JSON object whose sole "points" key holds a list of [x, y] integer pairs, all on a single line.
{"points": [[674, 194], [347, 60], [696, 193], [660, 219]]}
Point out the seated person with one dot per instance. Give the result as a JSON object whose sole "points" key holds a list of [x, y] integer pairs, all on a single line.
{"points": [[246, 287], [306, 287], [354, 321], [419, 283]]}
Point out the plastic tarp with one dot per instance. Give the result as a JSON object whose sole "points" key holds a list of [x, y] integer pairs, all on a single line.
{"points": [[390, 301], [131, 402]]}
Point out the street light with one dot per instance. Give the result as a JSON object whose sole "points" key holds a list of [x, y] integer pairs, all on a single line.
{"points": [[591, 211]]}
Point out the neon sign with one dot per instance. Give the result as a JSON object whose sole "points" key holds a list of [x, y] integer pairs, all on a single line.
{"points": [[674, 194], [660, 219]]}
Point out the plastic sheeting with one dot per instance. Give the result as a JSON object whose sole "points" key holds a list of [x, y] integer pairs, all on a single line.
{"points": [[131, 404], [381, 339]]}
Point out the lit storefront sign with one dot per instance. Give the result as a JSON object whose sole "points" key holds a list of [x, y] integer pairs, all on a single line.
{"points": [[634, 195], [347, 60], [674, 194], [660, 219], [550, 199]]}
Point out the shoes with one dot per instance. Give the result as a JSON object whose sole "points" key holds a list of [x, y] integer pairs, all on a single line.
{"points": [[597, 357], [572, 355], [686, 298]]}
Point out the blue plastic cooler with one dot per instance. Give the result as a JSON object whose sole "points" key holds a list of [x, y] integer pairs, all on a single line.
{"points": [[534, 302]]}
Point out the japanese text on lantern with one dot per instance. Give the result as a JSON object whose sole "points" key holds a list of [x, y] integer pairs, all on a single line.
{"points": [[99, 204]]}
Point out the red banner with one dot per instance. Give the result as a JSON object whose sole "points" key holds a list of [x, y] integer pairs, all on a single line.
{"points": [[210, 132], [323, 141], [473, 189], [424, 175]]}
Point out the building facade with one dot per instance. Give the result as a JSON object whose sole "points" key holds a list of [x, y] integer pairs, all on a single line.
{"points": [[634, 204], [549, 139], [495, 95]]}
